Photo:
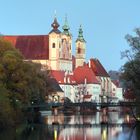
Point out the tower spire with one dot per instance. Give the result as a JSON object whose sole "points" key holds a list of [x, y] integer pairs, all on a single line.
{"points": [[80, 48], [80, 35], [55, 24], [54, 13], [66, 27]]}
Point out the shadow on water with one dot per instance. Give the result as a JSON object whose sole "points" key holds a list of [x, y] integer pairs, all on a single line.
{"points": [[135, 132], [8, 134], [36, 132], [138, 131]]}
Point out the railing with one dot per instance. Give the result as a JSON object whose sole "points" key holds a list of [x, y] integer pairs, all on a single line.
{"points": [[87, 104], [90, 104]]}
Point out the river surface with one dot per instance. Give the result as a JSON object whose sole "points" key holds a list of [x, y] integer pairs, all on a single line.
{"points": [[98, 126]]}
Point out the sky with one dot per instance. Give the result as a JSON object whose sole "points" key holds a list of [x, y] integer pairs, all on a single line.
{"points": [[105, 23]]}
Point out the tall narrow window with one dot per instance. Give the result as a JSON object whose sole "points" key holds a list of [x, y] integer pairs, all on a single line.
{"points": [[79, 50], [53, 45], [70, 46]]}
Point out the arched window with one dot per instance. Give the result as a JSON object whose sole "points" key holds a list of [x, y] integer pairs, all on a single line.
{"points": [[79, 50], [53, 45]]}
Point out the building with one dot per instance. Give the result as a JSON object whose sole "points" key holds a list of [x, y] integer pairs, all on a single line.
{"points": [[57, 94], [103, 78], [117, 85], [79, 81], [67, 84], [53, 50], [89, 88]]}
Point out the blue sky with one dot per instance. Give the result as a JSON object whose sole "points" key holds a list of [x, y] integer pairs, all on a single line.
{"points": [[105, 23]]}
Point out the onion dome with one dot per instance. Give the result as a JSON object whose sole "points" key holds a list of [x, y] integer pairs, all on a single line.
{"points": [[80, 35], [55, 26]]}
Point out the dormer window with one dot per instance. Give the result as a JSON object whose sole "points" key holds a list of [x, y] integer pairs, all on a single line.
{"points": [[53, 45]]}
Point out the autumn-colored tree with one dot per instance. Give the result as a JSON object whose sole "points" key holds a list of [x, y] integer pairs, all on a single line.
{"points": [[21, 82]]}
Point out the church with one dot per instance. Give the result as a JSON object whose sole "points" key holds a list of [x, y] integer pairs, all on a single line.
{"points": [[79, 81], [54, 49]]}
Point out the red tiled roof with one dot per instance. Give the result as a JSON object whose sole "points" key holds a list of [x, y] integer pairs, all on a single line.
{"points": [[58, 75], [31, 46], [98, 68], [71, 79], [82, 72]]}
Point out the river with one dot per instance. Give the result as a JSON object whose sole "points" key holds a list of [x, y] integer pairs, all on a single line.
{"points": [[97, 126]]}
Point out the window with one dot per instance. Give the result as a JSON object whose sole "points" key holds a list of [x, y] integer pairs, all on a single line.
{"points": [[70, 46], [53, 45], [79, 50]]}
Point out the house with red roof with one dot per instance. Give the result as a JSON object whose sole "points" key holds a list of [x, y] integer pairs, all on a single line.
{"points": [[103, 78], [79, 86], [89, 87], [110, 89], [67, 83]]}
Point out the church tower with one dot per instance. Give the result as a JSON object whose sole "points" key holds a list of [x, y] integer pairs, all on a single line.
{"points": [[54, 45], [66, 48], [80, 48]]}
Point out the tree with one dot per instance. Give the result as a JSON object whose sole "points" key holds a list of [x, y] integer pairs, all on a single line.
{"points": [[131, 69], [21, 82], [5, 109]]}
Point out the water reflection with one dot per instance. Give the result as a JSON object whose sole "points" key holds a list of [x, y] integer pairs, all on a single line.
{"points": [[90, 127], [94, 133], [97, 118], [78, 127]]}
